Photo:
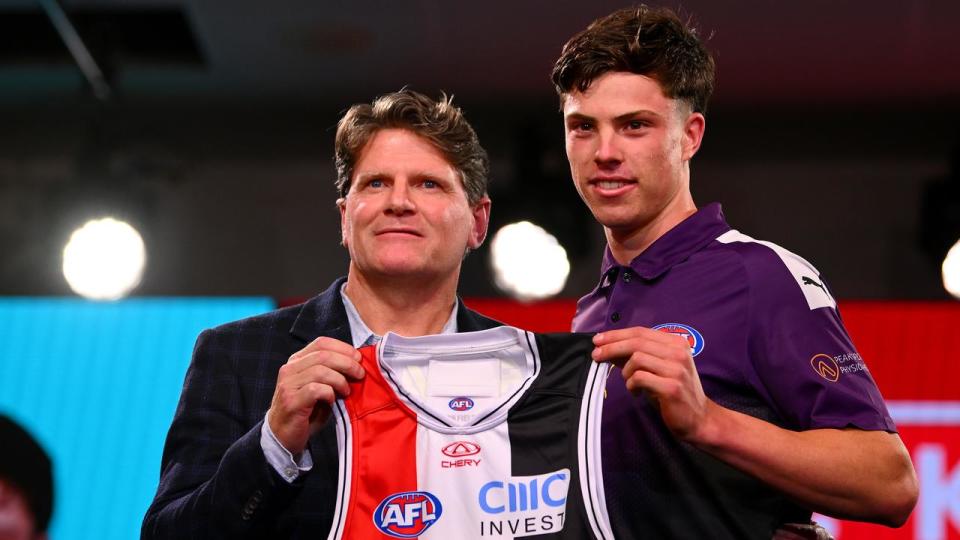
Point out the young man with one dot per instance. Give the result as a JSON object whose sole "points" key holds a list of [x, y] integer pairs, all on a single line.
{"points": [[741, 403], [252, 419]]}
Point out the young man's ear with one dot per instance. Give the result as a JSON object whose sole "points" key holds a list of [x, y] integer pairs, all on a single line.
{"points": [[693, 129]]}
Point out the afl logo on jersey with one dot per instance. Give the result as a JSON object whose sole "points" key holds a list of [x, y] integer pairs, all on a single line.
{"points": [[693, 337], [461, 404], [407, 514]]}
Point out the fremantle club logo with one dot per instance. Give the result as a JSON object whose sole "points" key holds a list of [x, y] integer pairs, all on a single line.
{"points": [[693, 337], [461, 404], [408, 514]]}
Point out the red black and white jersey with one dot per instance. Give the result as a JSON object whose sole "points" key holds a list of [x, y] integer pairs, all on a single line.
{"points": [[491, 434]]}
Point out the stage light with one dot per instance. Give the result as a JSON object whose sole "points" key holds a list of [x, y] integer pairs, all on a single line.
{"points": [[104, 259], [528, 262], [951, 271]]}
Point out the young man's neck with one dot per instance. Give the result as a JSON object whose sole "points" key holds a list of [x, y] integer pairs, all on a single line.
{"points": [[627, 244], [409, 307]]}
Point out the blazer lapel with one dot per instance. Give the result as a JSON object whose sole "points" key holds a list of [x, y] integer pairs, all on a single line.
{"points": [[471, 321], [323, 315]]}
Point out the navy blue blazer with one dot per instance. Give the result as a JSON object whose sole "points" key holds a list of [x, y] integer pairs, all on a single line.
{"points": [[214, 479]]}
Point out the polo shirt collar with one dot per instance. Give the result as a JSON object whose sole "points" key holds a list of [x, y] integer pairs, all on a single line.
{"points": [[674, 247]]}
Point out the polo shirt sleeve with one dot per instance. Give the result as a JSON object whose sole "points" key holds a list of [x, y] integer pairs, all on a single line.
{"points": [[802, 359]]}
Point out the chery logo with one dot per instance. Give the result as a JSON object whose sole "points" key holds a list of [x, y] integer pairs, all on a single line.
{"points": [[461, 449], [459, 453]]}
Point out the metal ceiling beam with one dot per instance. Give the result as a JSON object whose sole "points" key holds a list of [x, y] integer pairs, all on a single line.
{"points": [[78, 49]]}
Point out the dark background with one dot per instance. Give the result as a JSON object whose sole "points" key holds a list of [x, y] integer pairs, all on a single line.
{"points": [[832, 132]]}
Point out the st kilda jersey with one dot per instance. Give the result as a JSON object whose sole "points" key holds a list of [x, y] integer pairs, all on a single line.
{"points": [[491, 434]]}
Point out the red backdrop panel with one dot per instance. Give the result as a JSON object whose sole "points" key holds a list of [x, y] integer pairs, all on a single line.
{"points": [[910, 347]]}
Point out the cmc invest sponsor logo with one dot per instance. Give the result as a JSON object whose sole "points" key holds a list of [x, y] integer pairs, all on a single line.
{"points": [[521, 494], [694, 338], [524, 505], [407, 514]]}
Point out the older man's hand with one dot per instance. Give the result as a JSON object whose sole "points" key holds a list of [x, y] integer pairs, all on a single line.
{"points": [[307, 385]]}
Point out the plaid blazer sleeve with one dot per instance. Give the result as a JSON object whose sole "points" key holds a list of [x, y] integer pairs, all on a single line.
{"points": [[215, 481]]}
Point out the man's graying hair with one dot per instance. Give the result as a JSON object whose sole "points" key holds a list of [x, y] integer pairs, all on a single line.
{"points": [[438, 121]]}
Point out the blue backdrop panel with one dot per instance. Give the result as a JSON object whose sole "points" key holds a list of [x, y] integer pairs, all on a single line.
{"points": [[97, 384]]}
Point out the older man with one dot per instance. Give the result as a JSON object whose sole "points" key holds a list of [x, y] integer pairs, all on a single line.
{"points": [[252, 419]]}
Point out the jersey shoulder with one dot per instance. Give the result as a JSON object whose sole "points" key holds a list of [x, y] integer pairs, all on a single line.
{"points": [[778, 271]]}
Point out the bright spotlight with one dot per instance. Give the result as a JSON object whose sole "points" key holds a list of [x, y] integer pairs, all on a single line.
{"points": [[951, 271], [104, 259], [528, 262]]}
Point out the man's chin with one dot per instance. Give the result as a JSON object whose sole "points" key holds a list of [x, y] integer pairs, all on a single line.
{"points": [[618, 220], [406, 269], [400, 268]]}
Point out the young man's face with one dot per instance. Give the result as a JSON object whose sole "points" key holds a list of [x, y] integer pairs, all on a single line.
{"points": [[629, 147], [406, 214]]}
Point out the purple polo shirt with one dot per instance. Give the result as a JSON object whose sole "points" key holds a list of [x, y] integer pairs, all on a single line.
{"points": [[767, 341]]}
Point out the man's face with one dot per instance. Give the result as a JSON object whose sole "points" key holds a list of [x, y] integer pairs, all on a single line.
{"points": [[629, 145], [406, 214]]}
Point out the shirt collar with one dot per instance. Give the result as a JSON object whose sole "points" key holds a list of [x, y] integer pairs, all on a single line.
{"points": [[675, 246], [361, 334]]}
